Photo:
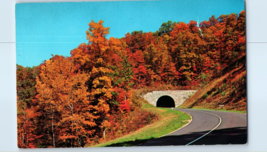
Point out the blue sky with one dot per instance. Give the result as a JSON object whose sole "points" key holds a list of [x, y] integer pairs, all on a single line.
{"points": [[43, 29]]}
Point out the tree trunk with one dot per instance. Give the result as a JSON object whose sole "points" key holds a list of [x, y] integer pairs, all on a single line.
{"points": [[72, 124], [54, 143], [27, 133]]}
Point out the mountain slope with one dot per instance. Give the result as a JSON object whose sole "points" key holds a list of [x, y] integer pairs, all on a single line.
{"points": [[227, 90]]}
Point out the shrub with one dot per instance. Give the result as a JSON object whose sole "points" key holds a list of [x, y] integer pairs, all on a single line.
{"points": [[223, 93]]}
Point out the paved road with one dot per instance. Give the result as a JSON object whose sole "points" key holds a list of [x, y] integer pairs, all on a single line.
{"points": [[207, 128]]}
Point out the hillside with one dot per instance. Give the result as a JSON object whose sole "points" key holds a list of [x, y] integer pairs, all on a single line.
{"points": [[226, 90]]}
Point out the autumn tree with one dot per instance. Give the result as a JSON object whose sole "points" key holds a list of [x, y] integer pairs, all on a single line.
{"points": [[26, 85], [123, 71], [184, 46], [96, 62], [166, 28], [122, 75], [159, 63], [241, 30], [26, 110], [137, 61], [64, 99]]}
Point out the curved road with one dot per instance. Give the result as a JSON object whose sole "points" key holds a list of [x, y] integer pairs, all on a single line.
{"points": [[207, 128]]}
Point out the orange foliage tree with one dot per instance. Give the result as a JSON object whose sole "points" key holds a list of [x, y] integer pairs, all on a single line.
{"points": [[63, 96], [96, 61]]}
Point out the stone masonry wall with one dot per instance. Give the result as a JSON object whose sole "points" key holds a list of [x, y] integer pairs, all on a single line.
{"points": [[179, 96]]}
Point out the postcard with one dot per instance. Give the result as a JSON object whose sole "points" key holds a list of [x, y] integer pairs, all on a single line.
{"points": [[131, 73]]}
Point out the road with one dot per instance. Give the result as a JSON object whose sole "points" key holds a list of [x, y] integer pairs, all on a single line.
{"points": [[207, 128]]}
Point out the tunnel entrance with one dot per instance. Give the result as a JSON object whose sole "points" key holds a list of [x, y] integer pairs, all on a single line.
{"points": [[165, 101]]}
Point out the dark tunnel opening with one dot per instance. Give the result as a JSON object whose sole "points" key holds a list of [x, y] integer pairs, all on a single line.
{"points": [[165, 101]]}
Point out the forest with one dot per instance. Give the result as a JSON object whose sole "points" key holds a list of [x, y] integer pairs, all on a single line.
{"points": [[88, 97]]}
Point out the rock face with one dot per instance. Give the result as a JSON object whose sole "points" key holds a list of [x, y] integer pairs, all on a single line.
{"points": [[179, 96]]}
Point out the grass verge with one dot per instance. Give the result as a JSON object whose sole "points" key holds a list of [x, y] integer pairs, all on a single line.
{"points": [[244, 112], [169, 120]]}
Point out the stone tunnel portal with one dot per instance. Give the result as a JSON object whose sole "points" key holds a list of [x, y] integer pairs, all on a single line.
{"points": [[165, 101]]}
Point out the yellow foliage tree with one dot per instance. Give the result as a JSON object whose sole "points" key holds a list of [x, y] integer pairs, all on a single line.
{"points": [[63, 92]]}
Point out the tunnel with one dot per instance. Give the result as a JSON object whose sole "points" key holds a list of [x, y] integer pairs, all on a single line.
{"points": [[165, 101]]}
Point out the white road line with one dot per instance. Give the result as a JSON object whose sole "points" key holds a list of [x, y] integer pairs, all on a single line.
{"points": [[209, 131]]}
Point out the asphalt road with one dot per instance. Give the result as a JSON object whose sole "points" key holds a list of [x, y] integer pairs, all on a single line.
{"points": [[207, 128]]}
